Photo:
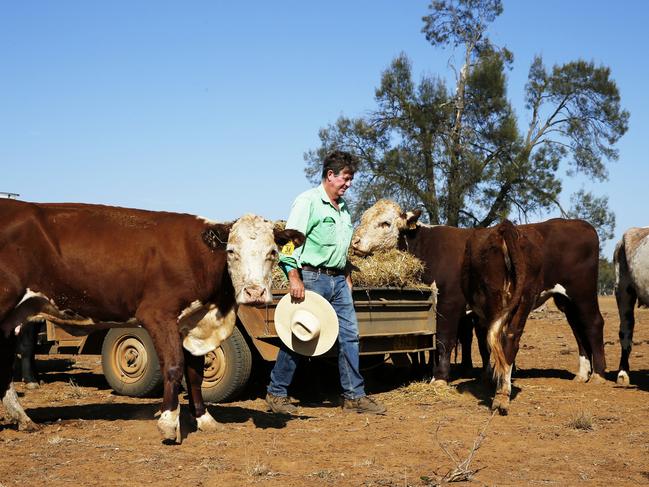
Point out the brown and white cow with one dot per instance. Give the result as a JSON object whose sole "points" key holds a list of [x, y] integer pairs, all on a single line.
{"points": [[570, 265], [631, 260], [501, 279], [91, 266]]}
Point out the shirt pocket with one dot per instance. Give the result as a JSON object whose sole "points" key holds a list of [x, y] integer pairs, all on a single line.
{"points": [[325, 232]]}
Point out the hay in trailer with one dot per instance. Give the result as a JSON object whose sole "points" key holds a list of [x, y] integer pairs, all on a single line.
{"points": [[393, 268]]}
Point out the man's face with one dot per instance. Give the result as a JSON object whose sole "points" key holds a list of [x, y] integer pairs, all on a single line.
{"points": [[339, 183]]}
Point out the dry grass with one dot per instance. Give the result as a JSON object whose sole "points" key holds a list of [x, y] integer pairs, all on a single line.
{"points": [[421, 392], [384, 269], [393, 268], [582, 420]]}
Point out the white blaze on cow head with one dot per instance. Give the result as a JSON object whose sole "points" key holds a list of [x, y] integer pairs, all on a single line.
{"points": [[380, 226], [252, 251]]}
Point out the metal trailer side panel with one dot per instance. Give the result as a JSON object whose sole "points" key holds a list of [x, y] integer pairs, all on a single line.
{"points": [[390, 320]]}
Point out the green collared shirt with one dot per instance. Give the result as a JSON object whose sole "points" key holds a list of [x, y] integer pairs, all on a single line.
{"points": [[328, 231]]}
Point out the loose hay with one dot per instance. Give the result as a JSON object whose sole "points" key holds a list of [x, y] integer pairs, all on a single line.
{"points": [[393, 268], [421, 391]]}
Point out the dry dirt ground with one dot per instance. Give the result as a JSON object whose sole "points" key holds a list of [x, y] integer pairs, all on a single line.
{"points": [[558, 432]]}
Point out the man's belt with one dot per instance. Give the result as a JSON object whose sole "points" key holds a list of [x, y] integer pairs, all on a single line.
{"points": [[330, 271]]}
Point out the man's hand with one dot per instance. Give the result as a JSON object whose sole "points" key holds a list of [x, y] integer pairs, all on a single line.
{"points": [[296, 286], [348, 278]]}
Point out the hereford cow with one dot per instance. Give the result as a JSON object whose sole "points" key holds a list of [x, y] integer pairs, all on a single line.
{"points": [[570, 251], [501, 279], [90, 266], [631, 259]]}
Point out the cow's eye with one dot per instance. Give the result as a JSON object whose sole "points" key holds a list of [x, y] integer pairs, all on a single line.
{"points": [[385, 225]]}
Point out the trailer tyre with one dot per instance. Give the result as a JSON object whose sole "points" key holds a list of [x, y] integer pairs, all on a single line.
{"points": [[130, 363], [227, 369]]}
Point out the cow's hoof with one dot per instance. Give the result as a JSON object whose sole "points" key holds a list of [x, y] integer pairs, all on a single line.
{"points": [[580, 378], [439, 382], [169, 427], [623, 379], [28, 426], [596, 379], [207, 423], [501, 404]]}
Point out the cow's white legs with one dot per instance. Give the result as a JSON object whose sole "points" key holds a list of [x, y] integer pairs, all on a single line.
{"points": [[584, 369], [207, 423], [503, 390], [16, 412], [169, 425]]}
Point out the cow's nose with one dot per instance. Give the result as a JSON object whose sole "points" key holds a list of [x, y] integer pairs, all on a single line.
{"points": [[254, 294]]}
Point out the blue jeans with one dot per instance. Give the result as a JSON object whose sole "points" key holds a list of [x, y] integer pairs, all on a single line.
{"points": [[335, 290]]}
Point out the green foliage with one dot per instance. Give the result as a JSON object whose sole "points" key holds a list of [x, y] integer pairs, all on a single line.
{"points": [[606, 277], [595, 211], [460, 152]]}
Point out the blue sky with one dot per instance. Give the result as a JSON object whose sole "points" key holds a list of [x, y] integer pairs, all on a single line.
{"points": [[207, 107]]}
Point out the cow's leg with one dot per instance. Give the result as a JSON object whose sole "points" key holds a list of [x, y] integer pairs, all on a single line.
{"points": [[194, 368], [8, 302], [510, 340], [27, 348], [587, 324], [626, 298], [163, 329], [567, 308], [449, 314], [465, 336], [481, 336]]}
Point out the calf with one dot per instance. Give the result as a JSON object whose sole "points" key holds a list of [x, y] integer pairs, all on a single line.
{"points": [[91, 266], [570, 250], [631, 260], [501, 279]]}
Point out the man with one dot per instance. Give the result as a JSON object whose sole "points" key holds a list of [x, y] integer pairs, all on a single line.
{"points": [[319, 265]]}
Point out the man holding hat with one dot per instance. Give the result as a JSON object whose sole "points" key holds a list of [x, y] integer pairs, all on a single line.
{"points": [[318, 267]]}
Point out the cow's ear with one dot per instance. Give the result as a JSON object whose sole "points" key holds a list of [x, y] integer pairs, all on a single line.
{"points": [[408, 220], [284, 236], [411, 219], [216, 235]]}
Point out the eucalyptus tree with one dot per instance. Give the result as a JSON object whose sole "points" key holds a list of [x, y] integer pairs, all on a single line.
{"points": [[460, 152]]}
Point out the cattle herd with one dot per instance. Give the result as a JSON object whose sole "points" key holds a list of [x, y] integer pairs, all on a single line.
{"points": [[181, 277]]}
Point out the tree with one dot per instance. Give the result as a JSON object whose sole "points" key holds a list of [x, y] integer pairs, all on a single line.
{"points": [[606, 277], [460, 153]]}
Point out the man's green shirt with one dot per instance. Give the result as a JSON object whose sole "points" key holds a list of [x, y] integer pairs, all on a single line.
{"points": [[328, 231]]}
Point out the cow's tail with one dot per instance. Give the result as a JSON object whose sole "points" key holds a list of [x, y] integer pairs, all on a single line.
{"points": [[512, 292]]}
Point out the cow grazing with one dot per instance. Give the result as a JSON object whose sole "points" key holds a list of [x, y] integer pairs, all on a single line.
{"points": [[90, 266], [631, 260], [570, 250], [501, 279]]}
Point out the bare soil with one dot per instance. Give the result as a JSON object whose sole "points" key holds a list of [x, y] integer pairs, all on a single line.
{"points": [[558, 431]]}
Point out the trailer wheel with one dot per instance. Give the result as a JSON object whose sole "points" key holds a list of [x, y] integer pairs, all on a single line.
{"points": [[227, 369], [130, 363]]}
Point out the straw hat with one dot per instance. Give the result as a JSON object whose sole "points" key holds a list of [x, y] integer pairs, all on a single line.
{"points": [[309, 327]]}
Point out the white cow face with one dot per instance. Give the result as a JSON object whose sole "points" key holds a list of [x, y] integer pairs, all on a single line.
{"points": [[380, 226], [252, 252]]}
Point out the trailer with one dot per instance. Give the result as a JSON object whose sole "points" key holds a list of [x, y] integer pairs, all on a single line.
{"points": [[393, 322]]}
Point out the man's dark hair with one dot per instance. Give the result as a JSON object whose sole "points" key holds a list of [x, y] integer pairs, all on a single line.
{"points": [[337, 161]]}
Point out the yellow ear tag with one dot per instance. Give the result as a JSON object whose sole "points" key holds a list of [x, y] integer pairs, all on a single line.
{"points": [[412, 226], [288, 248]]}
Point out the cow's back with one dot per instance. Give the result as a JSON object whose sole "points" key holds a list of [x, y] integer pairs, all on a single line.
{"points": [[632, 258], [94, 257], [570, 252]]}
